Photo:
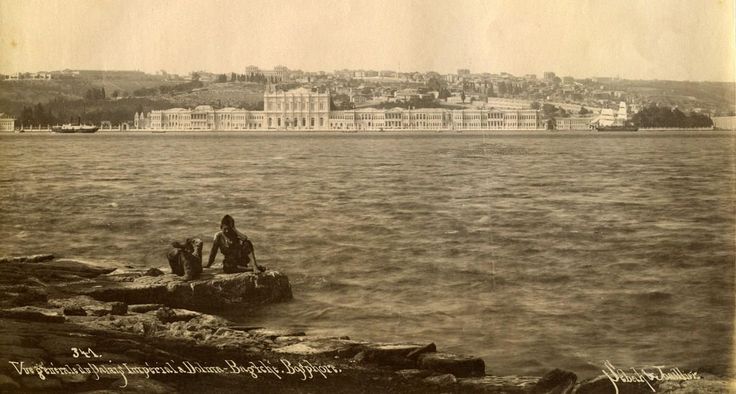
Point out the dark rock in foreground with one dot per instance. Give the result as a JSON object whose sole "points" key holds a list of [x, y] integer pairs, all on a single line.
{"points": [[139, 317], [208, 293], [36, 258], [556, 381], [31, 313], [461, 366]]}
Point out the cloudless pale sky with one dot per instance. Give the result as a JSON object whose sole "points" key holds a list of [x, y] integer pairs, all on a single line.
{"points": [[634, 39]]}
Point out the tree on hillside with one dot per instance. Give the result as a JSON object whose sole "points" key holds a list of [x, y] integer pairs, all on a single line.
{"points": [[462, 96], [434, 84], [583, 111], [221, 78], [548, 109], [536, 105], [257, 78], [656, 116], [258, 106], [36, 115], [444, 93], [424, 102], [145, 92], [341, 102], [95, 94]]}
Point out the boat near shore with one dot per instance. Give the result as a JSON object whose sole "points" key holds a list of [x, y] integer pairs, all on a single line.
{"points": [[78, 128], [614, 121], [617, 128]]}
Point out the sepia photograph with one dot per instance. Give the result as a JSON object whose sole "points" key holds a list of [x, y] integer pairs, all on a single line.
{"points": [[368, 196]]}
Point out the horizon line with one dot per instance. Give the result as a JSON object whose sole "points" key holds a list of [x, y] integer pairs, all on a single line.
{"points": [[365, 69]]}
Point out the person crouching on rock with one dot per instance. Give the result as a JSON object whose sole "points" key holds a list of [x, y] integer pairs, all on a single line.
{"points": [[185, 259], [235, 246]]}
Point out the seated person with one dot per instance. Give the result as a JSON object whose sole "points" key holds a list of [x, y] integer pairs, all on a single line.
{"points": [[235, 246], [185, 259]]}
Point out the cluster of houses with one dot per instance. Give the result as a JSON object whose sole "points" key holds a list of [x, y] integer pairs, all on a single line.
{"points": [[373, 86], [39, 76]]}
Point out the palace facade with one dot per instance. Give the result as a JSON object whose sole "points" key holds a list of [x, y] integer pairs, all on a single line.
{"points": [[6, 123], [577, 123], [303, 109], [298, 109]]}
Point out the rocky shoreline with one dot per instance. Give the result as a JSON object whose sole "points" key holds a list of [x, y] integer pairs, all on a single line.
{"points": [[105, 329]]}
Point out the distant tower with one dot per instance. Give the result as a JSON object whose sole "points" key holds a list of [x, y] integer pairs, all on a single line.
{"points": [[623, 112]]}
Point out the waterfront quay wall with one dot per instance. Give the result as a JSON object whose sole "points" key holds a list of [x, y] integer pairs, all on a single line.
{"points": [[353, 120], [331, 131], [301, 109], [675, 128]]}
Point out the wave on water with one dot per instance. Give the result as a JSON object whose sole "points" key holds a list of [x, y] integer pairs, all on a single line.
{"points": [[531, 251]]}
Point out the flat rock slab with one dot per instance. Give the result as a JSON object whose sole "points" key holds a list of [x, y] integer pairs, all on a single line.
{"points": [[31, 313], [706, 385], [500, 384], [460, 366], [556, 381], [413, 373], [168, 315], [36, 258], [442, 380], [275, 333], [602, 385], [143, 308], [84, 305], [21, 295], [208, 293], [393, 354], [60, 271], [323, 347]]}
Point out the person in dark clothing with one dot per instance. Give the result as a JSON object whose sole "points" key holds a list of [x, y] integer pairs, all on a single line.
{"points": [[185, 259], [235, 247]]}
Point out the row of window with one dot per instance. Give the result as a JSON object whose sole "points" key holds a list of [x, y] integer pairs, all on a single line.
{"points": [[298, 106], [294, 122], [204, 126]]}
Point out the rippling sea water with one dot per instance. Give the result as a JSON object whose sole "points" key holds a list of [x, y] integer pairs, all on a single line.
{"points": [[532, 251]]}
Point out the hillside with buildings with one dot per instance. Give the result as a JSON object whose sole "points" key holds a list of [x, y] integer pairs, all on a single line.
{"points": [[114, 96]]}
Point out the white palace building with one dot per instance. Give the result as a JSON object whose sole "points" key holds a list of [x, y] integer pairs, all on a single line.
{"points": [[303, 109]]}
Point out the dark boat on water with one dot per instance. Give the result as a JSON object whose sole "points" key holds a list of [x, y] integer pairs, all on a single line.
{"points": [[77, 127], [70, 128], [617, 128]]}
